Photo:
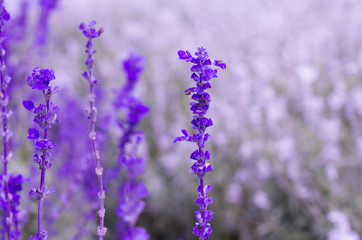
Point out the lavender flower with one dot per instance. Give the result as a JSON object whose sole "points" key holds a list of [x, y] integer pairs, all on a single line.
{"points": [[132, 190], [45, 117], [91, 33], [5, 132], [202, 74]]}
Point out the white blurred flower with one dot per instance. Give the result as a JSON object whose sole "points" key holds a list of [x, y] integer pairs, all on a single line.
{"points": [[261, 200], [286, 147], [307, 73], [263, 169], [234, 193], [342, 229]]}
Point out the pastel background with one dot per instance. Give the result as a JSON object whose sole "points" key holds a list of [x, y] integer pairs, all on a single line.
{"points": [[286, 143]]}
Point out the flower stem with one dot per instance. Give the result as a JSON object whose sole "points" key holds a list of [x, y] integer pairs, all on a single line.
{"points": [[96, 156]]}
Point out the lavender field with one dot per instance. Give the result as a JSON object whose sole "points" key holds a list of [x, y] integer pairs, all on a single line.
{"points": [[96, 96]]}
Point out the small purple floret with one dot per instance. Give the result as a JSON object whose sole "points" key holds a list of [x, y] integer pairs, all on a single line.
{"points": [[40, 78], [133, 66], [33, 133], [89, 31], [28, 105]]}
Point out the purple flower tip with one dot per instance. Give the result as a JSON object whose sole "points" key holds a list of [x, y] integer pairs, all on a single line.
{"points": [[133, 66], [33, 133], [89, 31], [28, 105], [40, 78]]}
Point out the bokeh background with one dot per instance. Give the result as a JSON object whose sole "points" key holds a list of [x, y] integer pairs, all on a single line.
{"points": [[286, 142]]}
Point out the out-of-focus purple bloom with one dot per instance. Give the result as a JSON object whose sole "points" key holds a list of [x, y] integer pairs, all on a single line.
{"points": [[19, 23], [132, 191], [202, 74], [39, 236], [4, 16], [47, 6], [14, 188], [6, 191], [133, 66], [137, 111], [342, 228], [136, 233]]}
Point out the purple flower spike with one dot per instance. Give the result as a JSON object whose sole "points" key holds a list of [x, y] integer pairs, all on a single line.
{"points": [[202, 74], [133, 66], [132, 191], [44, 116]]}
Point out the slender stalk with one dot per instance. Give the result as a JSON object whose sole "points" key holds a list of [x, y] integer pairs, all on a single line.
{"points": [[96, 157], [43, 169], [91, 33]]}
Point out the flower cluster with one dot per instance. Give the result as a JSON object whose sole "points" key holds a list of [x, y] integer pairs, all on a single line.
{"points": [[132, 191], [201, 74], [40, 78], [91, 33], [88, 30], [45, 117]]}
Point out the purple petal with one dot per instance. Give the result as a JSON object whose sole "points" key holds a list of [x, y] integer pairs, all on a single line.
{"points": [[28, 105], [33, 133]]}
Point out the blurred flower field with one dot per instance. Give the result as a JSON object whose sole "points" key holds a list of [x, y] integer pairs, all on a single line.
{"points": [[286, 140]]}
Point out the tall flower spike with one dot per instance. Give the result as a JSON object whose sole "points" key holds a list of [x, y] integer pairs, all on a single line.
{"points": [[132, 191], [45, 116], [201, 74], [90, 33], [47, 6], [6, 197]]}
